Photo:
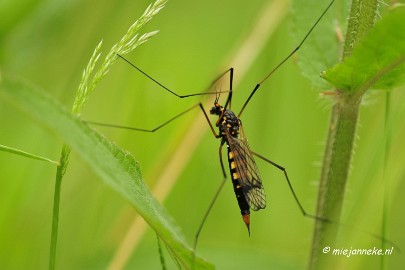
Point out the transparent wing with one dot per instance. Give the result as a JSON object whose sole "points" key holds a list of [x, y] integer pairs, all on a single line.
{"points": [[246, 167], [221, 84]]}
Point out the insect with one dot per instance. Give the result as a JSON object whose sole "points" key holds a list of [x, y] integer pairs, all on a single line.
{"points": [[243, 171], [228, 128]]}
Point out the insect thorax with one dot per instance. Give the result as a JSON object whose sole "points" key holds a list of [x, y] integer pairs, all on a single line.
{"points": [[229, 122]]}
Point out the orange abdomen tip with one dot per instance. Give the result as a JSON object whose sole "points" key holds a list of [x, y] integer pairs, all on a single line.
{"points": [[246, 219]]}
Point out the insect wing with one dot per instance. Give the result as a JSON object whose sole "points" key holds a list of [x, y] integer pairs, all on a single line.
{"points": [[246, 167], [221, 84]]}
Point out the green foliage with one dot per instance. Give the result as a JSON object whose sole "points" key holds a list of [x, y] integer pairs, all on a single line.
{"points": [[323, 47], [377, 62], [284, 121], [116, 167], [372, 56]]}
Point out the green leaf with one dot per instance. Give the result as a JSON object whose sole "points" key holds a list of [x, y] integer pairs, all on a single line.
{"points": [[378, 61], [25, 154], [128, 42], [323, 48], [116, 167]]}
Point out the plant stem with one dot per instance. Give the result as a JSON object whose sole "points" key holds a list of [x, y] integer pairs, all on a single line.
{"points": [[334, 175], [61, 169], [128, 42], [340, 142], [361, 19]]}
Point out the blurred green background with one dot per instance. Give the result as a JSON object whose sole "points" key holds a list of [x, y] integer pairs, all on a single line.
{"points": [[50, 42]]}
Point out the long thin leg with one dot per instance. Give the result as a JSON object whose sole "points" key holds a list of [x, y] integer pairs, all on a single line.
{"points": [[173, 92], [305, 213], [228, 103], [220, 154], [141, 129], [213, 200], [208, 120], [161, 125], [281, 168], [285, 59]]}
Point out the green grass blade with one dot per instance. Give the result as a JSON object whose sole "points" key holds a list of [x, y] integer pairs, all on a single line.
{"points": [[88, 83], [25, 154], [378, 61], [116, 167]]}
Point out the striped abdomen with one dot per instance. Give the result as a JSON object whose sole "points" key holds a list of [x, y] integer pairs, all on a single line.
{"points": [[235, 176]]}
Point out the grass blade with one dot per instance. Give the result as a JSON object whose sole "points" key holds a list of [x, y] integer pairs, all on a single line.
{"points": [[26, 154], [128, 42], [116, 167]]}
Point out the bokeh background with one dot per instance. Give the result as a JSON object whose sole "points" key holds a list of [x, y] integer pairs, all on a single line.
{"points": [[50, 42]]}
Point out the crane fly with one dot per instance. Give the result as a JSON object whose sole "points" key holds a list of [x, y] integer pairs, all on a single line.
{"points": [[244, 173]]}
